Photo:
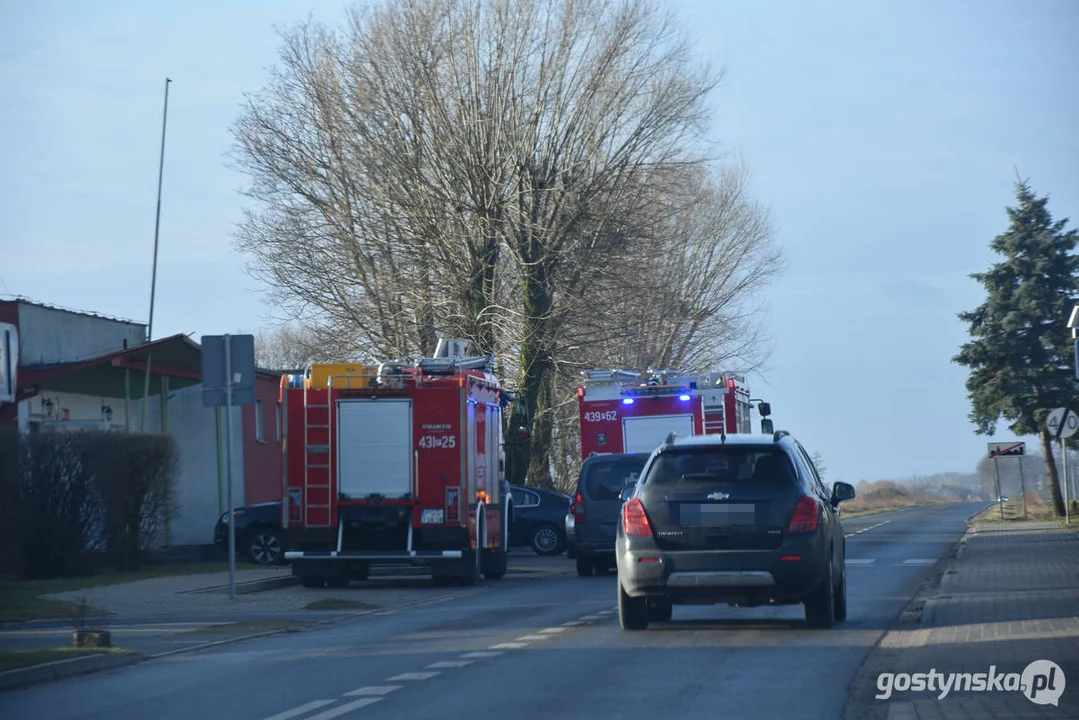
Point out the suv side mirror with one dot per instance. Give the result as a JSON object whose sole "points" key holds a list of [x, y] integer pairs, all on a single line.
{"points": [[841, 491], [627, 493]]}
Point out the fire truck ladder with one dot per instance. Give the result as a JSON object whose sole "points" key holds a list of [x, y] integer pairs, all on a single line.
{"points": [[316, 427]]}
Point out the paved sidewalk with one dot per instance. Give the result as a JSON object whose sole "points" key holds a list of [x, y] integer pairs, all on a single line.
{"points": [[1010, 597]]}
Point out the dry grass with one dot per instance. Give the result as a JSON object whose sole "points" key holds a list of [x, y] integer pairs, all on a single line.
{"points": [[884, 496], [1038, 510]]}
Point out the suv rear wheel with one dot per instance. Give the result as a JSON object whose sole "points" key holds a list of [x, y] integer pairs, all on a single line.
{"points": [[633, 613], [820, 605]]}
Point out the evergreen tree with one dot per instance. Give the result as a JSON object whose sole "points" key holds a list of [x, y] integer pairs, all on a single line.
{"points": [[1020, 355]]}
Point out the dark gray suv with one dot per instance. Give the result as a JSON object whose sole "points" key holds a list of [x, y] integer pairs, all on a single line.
{"points": [[740, 519], [597, 508]]}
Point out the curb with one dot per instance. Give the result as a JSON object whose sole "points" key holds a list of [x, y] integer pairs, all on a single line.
{"points": [[63, 669], [251, 586]]}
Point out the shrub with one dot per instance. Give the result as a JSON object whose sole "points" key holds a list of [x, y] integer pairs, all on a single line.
{"points": [[76, 495]]}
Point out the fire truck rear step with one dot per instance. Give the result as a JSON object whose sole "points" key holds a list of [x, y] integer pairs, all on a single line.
{"points": [[372, 554]]}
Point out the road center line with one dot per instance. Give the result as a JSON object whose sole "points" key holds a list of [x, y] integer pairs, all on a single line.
{"points": [[380, 690], [412, 676], [482, 654], [297, 711], [345, 709], [443, 664]]}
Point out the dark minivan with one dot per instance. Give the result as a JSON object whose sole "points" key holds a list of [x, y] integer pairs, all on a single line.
{"points": [[597, 508]]}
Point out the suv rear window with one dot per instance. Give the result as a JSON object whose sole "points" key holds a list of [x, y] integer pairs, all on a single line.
{"points": [[605, 479], [730, 465]]}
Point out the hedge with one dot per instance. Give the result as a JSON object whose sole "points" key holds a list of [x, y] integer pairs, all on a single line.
{"points": [[83, 499]]}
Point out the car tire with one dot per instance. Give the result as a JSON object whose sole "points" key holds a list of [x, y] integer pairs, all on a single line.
{"points": [[265, 546], [586, 566], [547, 540], [632, 612], [820, 605], [661, 610], [841, 596]]}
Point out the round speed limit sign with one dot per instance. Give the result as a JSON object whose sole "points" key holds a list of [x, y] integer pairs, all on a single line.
{"points": [[1063, 423]]}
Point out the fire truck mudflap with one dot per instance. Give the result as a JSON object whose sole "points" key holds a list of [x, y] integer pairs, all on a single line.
{"points": [[395, 465]]}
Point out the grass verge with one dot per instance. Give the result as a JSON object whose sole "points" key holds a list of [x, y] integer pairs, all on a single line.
{"points": [[1037, 511], [15, 659], [21, 600], [856, 512], [340, 604]]}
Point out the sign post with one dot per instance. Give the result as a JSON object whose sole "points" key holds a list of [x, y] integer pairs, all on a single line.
{"points": [[228, 379], [1063, 423], [1008, 449]]}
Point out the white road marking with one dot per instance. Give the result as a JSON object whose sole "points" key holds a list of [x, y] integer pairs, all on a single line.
{"points": [[531, 638], [551, 631], [373, 690], [867, 529], [449, 664], [508, 646], [860, 561], [482, 654], [345, 709], [591, 618], [297, 711], [413, 676], [920, 561], [572, 623]]}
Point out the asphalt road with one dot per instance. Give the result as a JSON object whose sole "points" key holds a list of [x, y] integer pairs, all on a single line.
{"points": [[542, 649]]}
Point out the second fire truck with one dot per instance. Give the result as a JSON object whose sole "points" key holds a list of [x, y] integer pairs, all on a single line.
{"points": [[620, 413], [395, 463]]}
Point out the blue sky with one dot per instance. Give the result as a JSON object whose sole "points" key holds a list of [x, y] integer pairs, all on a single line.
{"points": [[883, 136]]}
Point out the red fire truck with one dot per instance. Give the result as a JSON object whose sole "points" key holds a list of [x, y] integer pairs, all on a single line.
{"points": [[396, 463], [621, 414]]}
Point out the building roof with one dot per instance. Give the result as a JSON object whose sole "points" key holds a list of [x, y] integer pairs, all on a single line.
{"points": [[177, 357], [20, 300]]}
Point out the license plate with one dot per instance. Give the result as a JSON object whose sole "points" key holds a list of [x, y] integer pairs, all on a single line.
{"points": [[717, 514], [432, 516]]}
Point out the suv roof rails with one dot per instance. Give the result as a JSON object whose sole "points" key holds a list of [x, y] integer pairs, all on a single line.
{"points": [[670, 438], [779, 435]]}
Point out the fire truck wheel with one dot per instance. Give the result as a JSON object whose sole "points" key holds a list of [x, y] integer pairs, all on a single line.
{"points": [[547, 540], [471, 571], [495, 564]]}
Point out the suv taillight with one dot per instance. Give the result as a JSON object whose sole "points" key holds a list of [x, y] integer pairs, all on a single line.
{"points": [[806, 513], [634, 520], [576, 508]]}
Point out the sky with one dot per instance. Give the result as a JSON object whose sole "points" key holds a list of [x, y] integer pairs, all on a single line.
{"points": [[884, 137]]}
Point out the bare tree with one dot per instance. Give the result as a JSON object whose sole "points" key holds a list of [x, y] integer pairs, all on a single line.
{"points": [[288, 347], [480, 168]]}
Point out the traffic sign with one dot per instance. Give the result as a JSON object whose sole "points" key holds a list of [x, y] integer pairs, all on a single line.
{"points": [[1007, 449], [1063, 423]]}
